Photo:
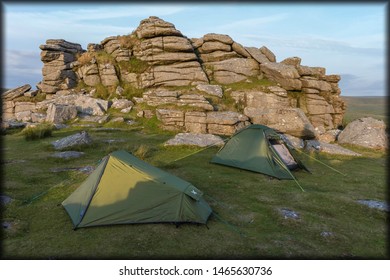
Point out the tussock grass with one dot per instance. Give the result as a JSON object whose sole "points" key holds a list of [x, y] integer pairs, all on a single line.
{"points": [[134, 65], [37, 132]]}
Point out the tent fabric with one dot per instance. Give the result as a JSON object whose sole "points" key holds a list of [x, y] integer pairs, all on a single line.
{"points": [[259, 148], [125, 190]]}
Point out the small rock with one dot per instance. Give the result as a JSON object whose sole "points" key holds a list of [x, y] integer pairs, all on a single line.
{"points": [[4, 200], [326, 234], [126, 110], [121, 104], [109, 141], [14, 161], [6, 225], [380, 205], [86, 169], [289, 214], [118, 119], [60, 125], [68, 154], [119, 90]]}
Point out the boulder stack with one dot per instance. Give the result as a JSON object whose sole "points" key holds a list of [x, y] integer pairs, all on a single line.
{"points": [[57, 56]]}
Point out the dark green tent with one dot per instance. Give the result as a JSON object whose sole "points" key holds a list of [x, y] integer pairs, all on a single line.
{"points": [[260, 149], [125, 190]]}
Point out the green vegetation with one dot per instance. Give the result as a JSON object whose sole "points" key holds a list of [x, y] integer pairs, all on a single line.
{"points": [[37, 132], [37, 98], [246, 204], [134, 65], [129, 91], [358, 107]]}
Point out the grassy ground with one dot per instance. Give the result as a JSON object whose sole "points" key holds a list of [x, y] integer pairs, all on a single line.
{"points": [[246, 224], [357, 107]]}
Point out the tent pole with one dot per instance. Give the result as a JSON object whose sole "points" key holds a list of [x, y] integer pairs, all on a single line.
{"points": [[197, 151]]}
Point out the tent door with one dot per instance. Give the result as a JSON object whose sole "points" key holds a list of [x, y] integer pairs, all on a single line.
{"points": [[284, 154]]}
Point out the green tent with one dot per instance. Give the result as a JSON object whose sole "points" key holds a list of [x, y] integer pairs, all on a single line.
{"points": [[260, 149], [125, 190]]}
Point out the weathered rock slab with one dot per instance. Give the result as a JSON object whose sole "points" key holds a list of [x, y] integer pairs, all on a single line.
{"points": [[195, 139], [81, 138], [67, 154], [16, 92], [319, 146]]}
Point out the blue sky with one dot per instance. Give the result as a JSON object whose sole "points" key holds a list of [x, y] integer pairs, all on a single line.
{"points": [[346, 39]]}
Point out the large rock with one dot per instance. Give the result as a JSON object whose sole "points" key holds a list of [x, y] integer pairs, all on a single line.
{"points": [[108, 74], [89, 73], [81, 138], [291, 121], [15, 93], [177, 74], [156, 27], [286, 75], [91, 106], [258, 55], [225, 123], [60, 113], [234, 70], [268, 53], [367, 132], [196, 122], [195, 139], [171, 119]]}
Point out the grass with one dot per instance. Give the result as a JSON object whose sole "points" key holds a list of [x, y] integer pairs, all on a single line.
{"points": [[246, 225]]}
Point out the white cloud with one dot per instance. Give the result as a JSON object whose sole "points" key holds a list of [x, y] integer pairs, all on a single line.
{"points": [[28, 30], [21, 67], [312, 43]]}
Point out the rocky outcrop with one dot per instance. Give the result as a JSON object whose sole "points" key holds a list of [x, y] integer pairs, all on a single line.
{"points": [[185, 82], [367, 132], [58, 56]]}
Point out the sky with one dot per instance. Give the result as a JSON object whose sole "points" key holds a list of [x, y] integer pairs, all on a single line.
{"points": [[346, 39]]}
